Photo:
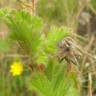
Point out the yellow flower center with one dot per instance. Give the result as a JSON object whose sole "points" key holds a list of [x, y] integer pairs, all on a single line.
{"points": [[16, 68]]}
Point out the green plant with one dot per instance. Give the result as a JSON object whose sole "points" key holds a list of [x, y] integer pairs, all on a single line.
{"points": [[26, 34], [55, 81], [24, 29]]}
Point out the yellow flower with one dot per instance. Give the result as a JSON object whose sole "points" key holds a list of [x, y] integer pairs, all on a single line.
{"points": [[16, 68]]}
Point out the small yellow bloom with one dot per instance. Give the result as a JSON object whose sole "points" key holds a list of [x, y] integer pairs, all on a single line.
{"points": [[16, 68]]}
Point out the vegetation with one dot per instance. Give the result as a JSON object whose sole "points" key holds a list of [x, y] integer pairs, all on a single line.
{"points": [[41, 51]]}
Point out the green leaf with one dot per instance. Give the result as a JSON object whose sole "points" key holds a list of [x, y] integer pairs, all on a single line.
{"points": [[55, 35], [26, 30], [54, 82], [42, 85]]}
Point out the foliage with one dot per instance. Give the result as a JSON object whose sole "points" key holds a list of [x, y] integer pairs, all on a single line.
{"points": [[27, 36], [50, 42], [55, 35], [58, 83], [26, 31]]}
